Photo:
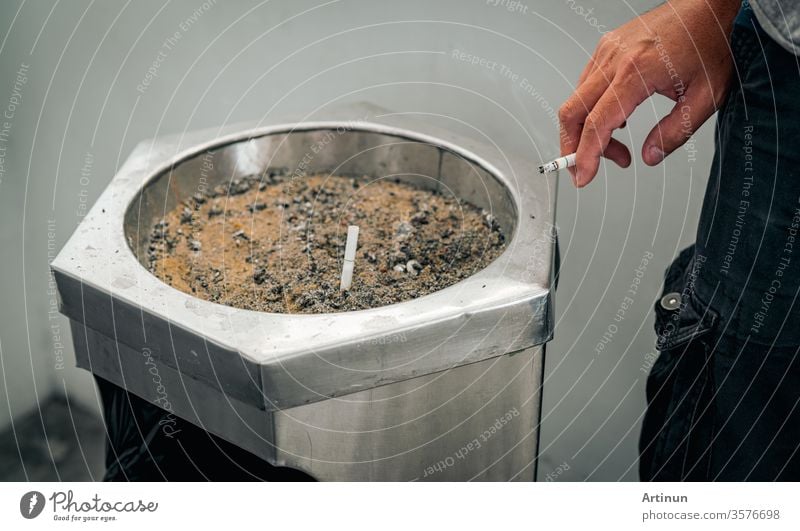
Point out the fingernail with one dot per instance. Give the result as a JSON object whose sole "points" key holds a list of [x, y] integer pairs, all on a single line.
{"points": [[655, 154]]}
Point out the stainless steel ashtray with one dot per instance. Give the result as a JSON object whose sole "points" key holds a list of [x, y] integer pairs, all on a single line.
{"points": [[443, 387]]}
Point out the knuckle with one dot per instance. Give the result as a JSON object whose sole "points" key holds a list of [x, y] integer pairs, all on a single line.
{"points": [[567, 111], [610, 44], [628, 66], [596, 121]]}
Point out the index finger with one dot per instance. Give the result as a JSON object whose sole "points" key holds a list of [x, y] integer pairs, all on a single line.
{"points": [[610, 112], [574, 111]]}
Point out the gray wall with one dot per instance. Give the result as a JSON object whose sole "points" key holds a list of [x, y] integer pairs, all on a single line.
{"points": [[80, 114]]}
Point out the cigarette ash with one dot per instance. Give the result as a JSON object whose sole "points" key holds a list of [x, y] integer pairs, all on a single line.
{"points": [[275, 244]]}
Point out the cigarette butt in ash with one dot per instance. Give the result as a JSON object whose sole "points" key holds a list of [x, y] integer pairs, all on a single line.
{"points": [[560, 163], [349, 257]]}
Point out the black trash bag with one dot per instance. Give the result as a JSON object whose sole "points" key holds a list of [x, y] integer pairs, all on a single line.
{"points": [[147, 443]]}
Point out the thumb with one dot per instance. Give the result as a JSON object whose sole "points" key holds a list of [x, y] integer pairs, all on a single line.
{"points": [[678, 126]]}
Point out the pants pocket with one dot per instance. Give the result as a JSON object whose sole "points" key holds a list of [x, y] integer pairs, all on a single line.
{"points": [[678, 426]]}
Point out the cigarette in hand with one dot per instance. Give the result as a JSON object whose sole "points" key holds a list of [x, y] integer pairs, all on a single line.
{"points": [[560, 163]]}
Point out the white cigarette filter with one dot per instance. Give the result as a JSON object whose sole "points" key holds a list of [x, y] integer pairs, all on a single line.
{"points": [[349, 257], [560, 163]]}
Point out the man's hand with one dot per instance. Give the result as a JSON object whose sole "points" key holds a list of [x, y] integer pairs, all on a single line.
{"points": [[680, 50]]}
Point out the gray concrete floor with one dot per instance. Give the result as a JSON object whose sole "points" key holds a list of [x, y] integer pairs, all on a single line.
{"points": [[60, 441]]}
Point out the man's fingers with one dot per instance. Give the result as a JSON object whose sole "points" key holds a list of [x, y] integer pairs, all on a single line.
{"points": [[615, 151], [610, 112], [574, 111], [590, 67], [678, 126], [599, 57], [618, 152]]}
